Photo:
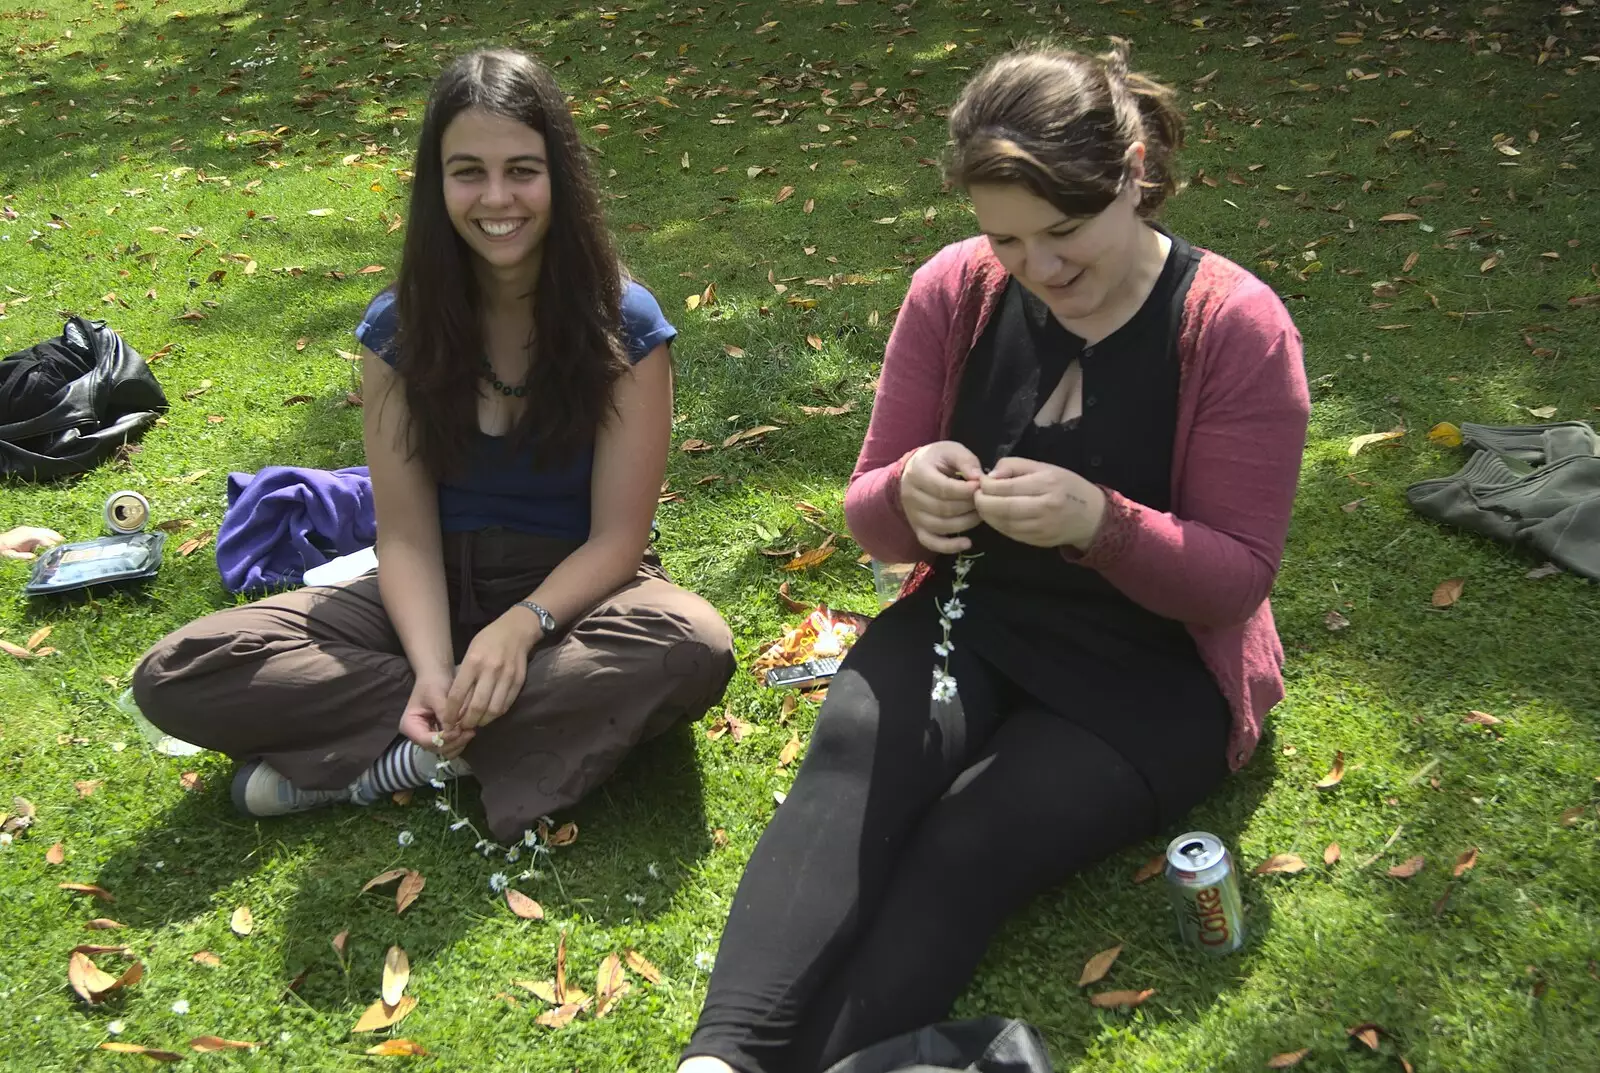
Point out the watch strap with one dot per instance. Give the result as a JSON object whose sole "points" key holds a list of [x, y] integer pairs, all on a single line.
{"points": [[546, 619]]}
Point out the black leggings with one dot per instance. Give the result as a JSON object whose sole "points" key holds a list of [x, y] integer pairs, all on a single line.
{"points": [[912, 831]]}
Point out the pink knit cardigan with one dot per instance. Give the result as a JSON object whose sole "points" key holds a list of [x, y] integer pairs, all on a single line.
{"points": [[1242, 413]]}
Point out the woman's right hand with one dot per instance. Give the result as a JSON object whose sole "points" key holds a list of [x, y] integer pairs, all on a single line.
{"points": [[936, 494], [423, 719]]}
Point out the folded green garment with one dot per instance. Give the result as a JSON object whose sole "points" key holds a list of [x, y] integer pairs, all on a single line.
{"points": [[1537, 444], [1555, 509]]}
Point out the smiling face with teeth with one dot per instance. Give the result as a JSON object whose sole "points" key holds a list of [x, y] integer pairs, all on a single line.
{"points": [[497, 189]]}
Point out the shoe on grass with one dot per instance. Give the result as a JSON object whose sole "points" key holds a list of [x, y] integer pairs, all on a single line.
{"points": [[260, 790]]}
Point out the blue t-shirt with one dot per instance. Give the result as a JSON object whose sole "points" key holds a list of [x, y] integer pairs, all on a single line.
{"points": [[502, 486]]}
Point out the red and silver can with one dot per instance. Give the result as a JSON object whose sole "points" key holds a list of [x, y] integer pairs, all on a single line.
{"points": [[1205, 893]]}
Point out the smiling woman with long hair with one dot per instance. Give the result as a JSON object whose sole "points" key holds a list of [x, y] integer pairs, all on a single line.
{"points": [[518, 392]]}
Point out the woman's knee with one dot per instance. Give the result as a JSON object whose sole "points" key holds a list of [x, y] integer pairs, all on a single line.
{"points": [[699, 656]]}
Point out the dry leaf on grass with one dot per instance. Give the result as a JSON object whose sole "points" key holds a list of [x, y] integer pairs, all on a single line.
{"points": [[1335, 774], [610, 984], [1465, 862], [790, 751], [94, 951], [339, 942], [1151, 868], [411, 885], [1571, 816], [636, 962], [1106, 1000], [242, 923], [560, 1017], [154, 1053], [103, 924], [1398, 217], [88, 888], [749, 434], [1445, 435], [206, 958], [1366, 1032], [1408, 868], [398, 1048], [565, 835], [1335, 621], [1280, 864], [523, 906], [396, 974], [1330, 856], [93, 983], [86, 787], [208, 1044], [381, 1015], [56, 854], [1095, 969], [1481, 719], [192, 782], [691, 446], [542, 989], [1288, 1059], [1449, 591], [1360, 442]]}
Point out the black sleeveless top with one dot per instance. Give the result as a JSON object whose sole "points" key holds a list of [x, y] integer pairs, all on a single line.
{"points": [[1028, 608]]}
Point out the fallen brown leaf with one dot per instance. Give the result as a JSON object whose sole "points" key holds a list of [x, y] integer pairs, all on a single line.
{"points": [[1488, 263], [1465, 862], [1095, 969], [1449, 591], [1398, 217], [1330, 856], [636, 962], [242, 923], [191, 781], [814, 342], [806, 560], [1445, 435], [783, 195], [543, 989], [691, 446], [523, 906], [732, 352], [1280, 864], [56, 854], [381, 1015], [790, 750], [206, 958], [88, 888], [86, 787], [1336, 773], [1366, 1032], [1408, 868], [396, 974], [1106, 1000], [565, 835], [339, 942], [103, 924], [789, 602], [560, 1017], [92, 982], [610, 983], [1572, 815], [208, 1044], [194, 544], [1360, 442], [398, 1048], [1151, 868], [410, 886], [561, 968], [748, 434], [1335, 621], [153, 1053], [1288, 1059], [827, 411], [1481, 719], [37, 637]]}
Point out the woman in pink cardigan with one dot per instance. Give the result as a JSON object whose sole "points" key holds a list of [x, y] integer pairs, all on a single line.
{"points": [[1088, 432]]}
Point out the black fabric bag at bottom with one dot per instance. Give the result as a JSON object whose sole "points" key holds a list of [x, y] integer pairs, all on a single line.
{"points": [[982, 1045], [67, 403]]}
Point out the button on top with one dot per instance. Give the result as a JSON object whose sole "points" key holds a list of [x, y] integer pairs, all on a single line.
{"points": [[1094, 460], [1091, 400], [1088, 351]]}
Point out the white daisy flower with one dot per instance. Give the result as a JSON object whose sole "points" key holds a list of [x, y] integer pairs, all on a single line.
{"points": [[458, 825], [634, 899], [498, 882], [406, 838], [704, 960], [530, 838], [115, 1028], [654, 869], [437, 784], [441, 804], [181, 1006], [512, 854], [952, 609]]}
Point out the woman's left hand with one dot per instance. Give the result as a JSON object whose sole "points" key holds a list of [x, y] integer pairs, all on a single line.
{"points": [[1040, 504], [492, 672]]}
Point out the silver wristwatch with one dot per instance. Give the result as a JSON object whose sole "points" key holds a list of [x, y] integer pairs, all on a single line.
{"points": [[546, 620]]}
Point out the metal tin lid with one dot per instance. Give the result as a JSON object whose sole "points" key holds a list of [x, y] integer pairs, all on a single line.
{"points": [[1195, 851]]}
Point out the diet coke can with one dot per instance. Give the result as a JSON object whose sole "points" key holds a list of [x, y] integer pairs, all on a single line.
{"points": [[1205, 893]]}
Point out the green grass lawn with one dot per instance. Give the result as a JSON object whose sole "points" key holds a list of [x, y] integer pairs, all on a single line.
{"points": [[244, 161]]}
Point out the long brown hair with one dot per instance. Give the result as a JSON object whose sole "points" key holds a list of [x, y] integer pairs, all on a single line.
{"points": [[1060, 124], [577, 349]]}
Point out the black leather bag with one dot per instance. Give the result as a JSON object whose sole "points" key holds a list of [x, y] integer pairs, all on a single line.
{"points": [[67, 403], [983, 1045]]}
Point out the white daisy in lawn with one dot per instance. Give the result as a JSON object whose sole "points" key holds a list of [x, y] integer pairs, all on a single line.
{"points": [[181, 1006], [704, 960], [441, 804], [115, 1028], [498, 882], [530, 838], [655, 870], [636, 900], [406, 838], [458, 825], [512, 854]]}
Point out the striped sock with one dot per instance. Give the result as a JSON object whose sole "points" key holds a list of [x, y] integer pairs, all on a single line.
{"points": [[403, 766]]}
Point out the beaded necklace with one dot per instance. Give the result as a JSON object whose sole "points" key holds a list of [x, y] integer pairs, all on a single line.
{"points": [[500, 385]]}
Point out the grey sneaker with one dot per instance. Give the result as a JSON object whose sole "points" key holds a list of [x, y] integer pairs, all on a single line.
{"points": [[259, 790]]}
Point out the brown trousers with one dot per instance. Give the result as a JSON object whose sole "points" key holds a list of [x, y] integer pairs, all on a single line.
{"points": [[314, 681]]}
